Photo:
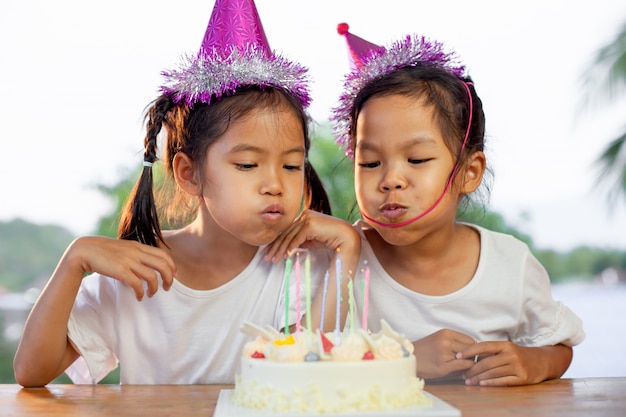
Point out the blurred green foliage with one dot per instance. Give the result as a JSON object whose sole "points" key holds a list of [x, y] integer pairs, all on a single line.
{"points": [[28, 252]]}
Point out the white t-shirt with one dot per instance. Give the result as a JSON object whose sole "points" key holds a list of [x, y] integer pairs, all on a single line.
{"points": [[180, 336], [508, 299]]}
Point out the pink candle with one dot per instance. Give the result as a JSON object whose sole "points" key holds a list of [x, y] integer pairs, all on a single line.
{"points": [[338, 306], [307, 289], [366, 290]]}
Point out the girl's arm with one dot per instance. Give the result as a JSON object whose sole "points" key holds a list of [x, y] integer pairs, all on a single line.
{"points": [[505, 363], [313, 229], [44, 351]]}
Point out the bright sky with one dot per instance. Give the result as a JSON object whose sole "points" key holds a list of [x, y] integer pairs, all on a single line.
{"points": [[75, 77]]}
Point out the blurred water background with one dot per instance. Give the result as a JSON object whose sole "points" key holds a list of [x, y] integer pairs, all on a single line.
{"points": [[602, 307]]}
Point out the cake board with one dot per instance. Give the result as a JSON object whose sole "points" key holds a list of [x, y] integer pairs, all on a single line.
{"points": [[438, 408]]}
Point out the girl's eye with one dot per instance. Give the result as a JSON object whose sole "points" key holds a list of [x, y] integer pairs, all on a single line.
{"points": [[369, 164], [418, 161], [245, 167], [293, 167]]}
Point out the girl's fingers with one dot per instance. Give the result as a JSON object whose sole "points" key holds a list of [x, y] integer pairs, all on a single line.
{"points": [[159, 260], [287, 241], [496, 374], [149, 269], [161, 263], [163, 270], [459, 365], [482, 349], [135, 283], [128, 261]]}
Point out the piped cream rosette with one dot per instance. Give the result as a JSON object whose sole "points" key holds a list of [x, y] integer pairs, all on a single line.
{"points": [[354, 345]]}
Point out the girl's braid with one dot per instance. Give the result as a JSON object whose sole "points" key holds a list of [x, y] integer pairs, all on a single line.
{"points": [[139, 218]]}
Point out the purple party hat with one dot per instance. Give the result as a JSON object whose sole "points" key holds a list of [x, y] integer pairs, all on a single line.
{"points": [[233, 24], [378, 62], [234, 53]]}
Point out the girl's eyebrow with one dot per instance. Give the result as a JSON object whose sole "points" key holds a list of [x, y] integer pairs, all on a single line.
{"points": [[418, 140], [295, 149], [245, 147], [248, 147], [367, 146]]}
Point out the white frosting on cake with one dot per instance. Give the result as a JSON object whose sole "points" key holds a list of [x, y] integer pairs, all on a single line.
{"points": [[328, 386], [307, 373]]}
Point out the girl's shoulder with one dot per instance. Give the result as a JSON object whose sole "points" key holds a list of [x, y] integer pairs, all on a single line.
{"points": [[503, 252], [499, 239]]}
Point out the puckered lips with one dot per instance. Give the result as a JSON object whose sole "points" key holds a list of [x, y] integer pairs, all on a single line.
{"points": [[393, 210], [273, 212]]}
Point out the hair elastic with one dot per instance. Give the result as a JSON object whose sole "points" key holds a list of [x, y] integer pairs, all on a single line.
{"points": [[147, 163]]}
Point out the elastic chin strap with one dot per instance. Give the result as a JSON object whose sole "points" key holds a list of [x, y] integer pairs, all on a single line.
{"points": [[452, 175]]}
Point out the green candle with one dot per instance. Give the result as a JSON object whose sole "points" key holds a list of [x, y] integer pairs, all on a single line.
{"points": [[287, 276]]}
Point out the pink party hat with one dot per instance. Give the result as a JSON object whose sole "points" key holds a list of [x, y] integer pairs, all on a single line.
{"points": [[357, 46], [234, 53]]}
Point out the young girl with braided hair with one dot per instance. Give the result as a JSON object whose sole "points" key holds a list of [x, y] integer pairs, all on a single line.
{"points": [[236, 147], [476, 303]]}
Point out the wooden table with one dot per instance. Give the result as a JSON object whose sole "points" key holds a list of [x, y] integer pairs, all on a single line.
{"points": [[561, 397]]}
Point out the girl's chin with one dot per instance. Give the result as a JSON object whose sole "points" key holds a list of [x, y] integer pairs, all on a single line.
{"points": [[262, 239], [398, 236]]}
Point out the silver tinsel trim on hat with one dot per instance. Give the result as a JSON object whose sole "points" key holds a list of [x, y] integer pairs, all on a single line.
{"points": [[203, 78], [411, 51]]}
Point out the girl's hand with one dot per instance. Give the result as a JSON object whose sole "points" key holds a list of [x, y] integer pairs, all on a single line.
{"points": [[313, 229], [437, 354], [507, 364], [128, 261]]}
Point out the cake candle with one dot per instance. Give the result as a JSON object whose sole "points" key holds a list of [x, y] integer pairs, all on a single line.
{"points": [[338, 309], [307, 289], [366, 290], [351, 303], [298, 281], [287, 279], [324, 291]]}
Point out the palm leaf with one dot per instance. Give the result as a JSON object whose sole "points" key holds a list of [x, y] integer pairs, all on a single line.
{"points": [[605, 79], [612, 163]]}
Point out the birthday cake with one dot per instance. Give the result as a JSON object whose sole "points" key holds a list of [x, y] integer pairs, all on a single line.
{"points": [[317, 373]]}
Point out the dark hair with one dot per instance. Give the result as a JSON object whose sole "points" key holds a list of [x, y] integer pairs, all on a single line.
{"points": [[440, 89], [192, 131], [445, 92]]}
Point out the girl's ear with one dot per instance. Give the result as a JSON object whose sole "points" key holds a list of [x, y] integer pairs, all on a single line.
{"points": [[474, 171], [185, 174]]}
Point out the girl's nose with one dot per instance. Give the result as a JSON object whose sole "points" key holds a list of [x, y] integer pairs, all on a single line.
{"points": [[271, 184], [392, 180], [391, 187]]}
